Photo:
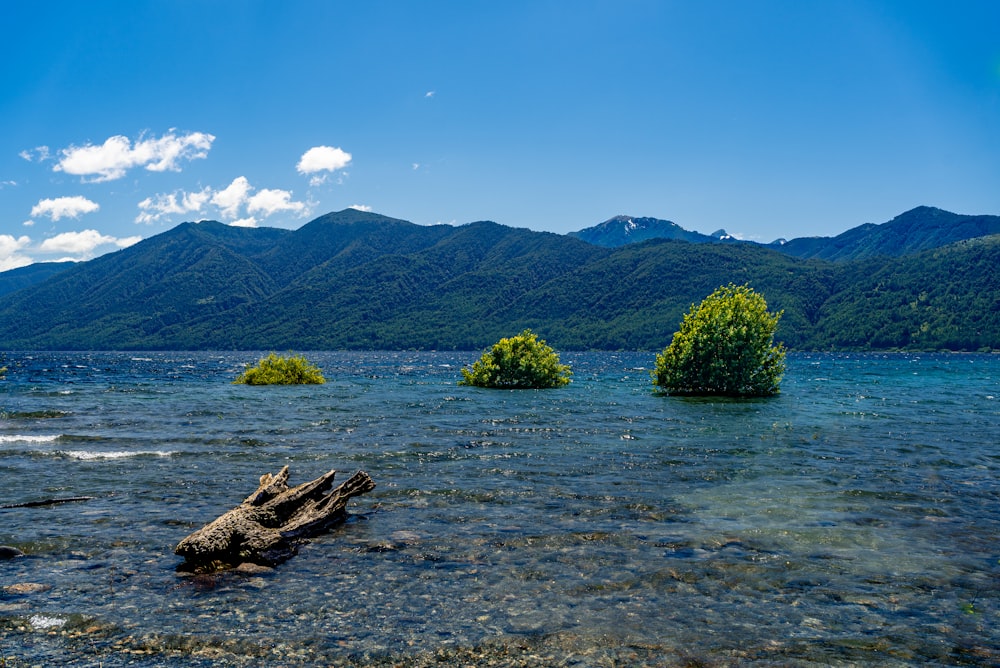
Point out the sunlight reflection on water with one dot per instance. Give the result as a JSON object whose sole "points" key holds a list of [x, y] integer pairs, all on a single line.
{"points": [[851, 519]]}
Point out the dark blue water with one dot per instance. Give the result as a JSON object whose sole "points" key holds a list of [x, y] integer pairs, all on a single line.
{"points": [[853, 520]]}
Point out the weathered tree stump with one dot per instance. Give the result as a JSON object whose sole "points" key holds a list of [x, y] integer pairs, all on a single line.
{"points": [[269, 525]]}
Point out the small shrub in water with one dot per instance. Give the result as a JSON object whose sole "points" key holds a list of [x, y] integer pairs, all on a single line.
{"points": [[724, 347], [275, 370], [518, 362]]}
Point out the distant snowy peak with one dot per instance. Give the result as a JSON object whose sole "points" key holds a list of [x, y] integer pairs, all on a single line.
{"points": [[630, 225], [622, 230], [919, 229]]}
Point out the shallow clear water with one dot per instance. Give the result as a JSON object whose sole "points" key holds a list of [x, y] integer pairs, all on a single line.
{"points": [[854, 519]]}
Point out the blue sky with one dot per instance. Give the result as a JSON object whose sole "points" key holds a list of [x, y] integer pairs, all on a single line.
{"points": [[769, 119]]}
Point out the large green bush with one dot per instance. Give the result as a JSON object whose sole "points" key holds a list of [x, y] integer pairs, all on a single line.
{"points": [[724, 347], [518, 362], [275, 370]]}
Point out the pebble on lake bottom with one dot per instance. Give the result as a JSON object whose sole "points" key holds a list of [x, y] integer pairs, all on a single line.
{"points": [[25, 588]]}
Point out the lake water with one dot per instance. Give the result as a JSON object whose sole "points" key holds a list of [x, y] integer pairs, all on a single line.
{"points": [[852, 520]]}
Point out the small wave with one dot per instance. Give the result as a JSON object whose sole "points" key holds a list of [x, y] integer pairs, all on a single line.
{"points": [[44, 622], [88, 455], [23, 438]]}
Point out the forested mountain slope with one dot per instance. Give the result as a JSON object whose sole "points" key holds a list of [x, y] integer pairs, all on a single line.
{"points": [[923, 228], [355, 280], [919, 229], [13, 280], [946, 298]]}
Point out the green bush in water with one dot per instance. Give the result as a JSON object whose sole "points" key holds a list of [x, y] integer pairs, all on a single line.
{"points": [[518, 362], [724, 347], [275, 370]]}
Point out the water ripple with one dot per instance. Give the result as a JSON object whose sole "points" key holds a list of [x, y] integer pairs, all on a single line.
{"points": [[850, 521]]}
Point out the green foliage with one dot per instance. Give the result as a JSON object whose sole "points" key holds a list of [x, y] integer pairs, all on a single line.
{"points": [[518, 362], [13, 280], [943, 299], [392, 285], [275, 370], [724, 347]]}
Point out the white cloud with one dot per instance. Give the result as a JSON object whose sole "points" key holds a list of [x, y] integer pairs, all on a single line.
{"points": [[74, 246], [64, 207], [38, 154], [194, 201], [429, 93], [10, 258], [11, 244], [270, 201], [112, 159], [244, 222], [237, 203], [232, 197], [14, 262], [360, 207], [155, 208], [8, 184], [162, 155], [125, 242], [75, 242], [83, 243], [323, 159]]}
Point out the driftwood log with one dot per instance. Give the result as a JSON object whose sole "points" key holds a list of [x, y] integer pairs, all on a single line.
{"points": [[269, 525]]}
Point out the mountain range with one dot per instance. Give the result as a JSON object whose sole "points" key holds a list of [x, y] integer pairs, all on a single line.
{"points": [[925, 280], [622, 230], [922, 228]]}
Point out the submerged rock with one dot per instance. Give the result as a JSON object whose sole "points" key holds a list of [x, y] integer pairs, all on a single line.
{"points": [[8, 552], [24, 588], [250, 568]]}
